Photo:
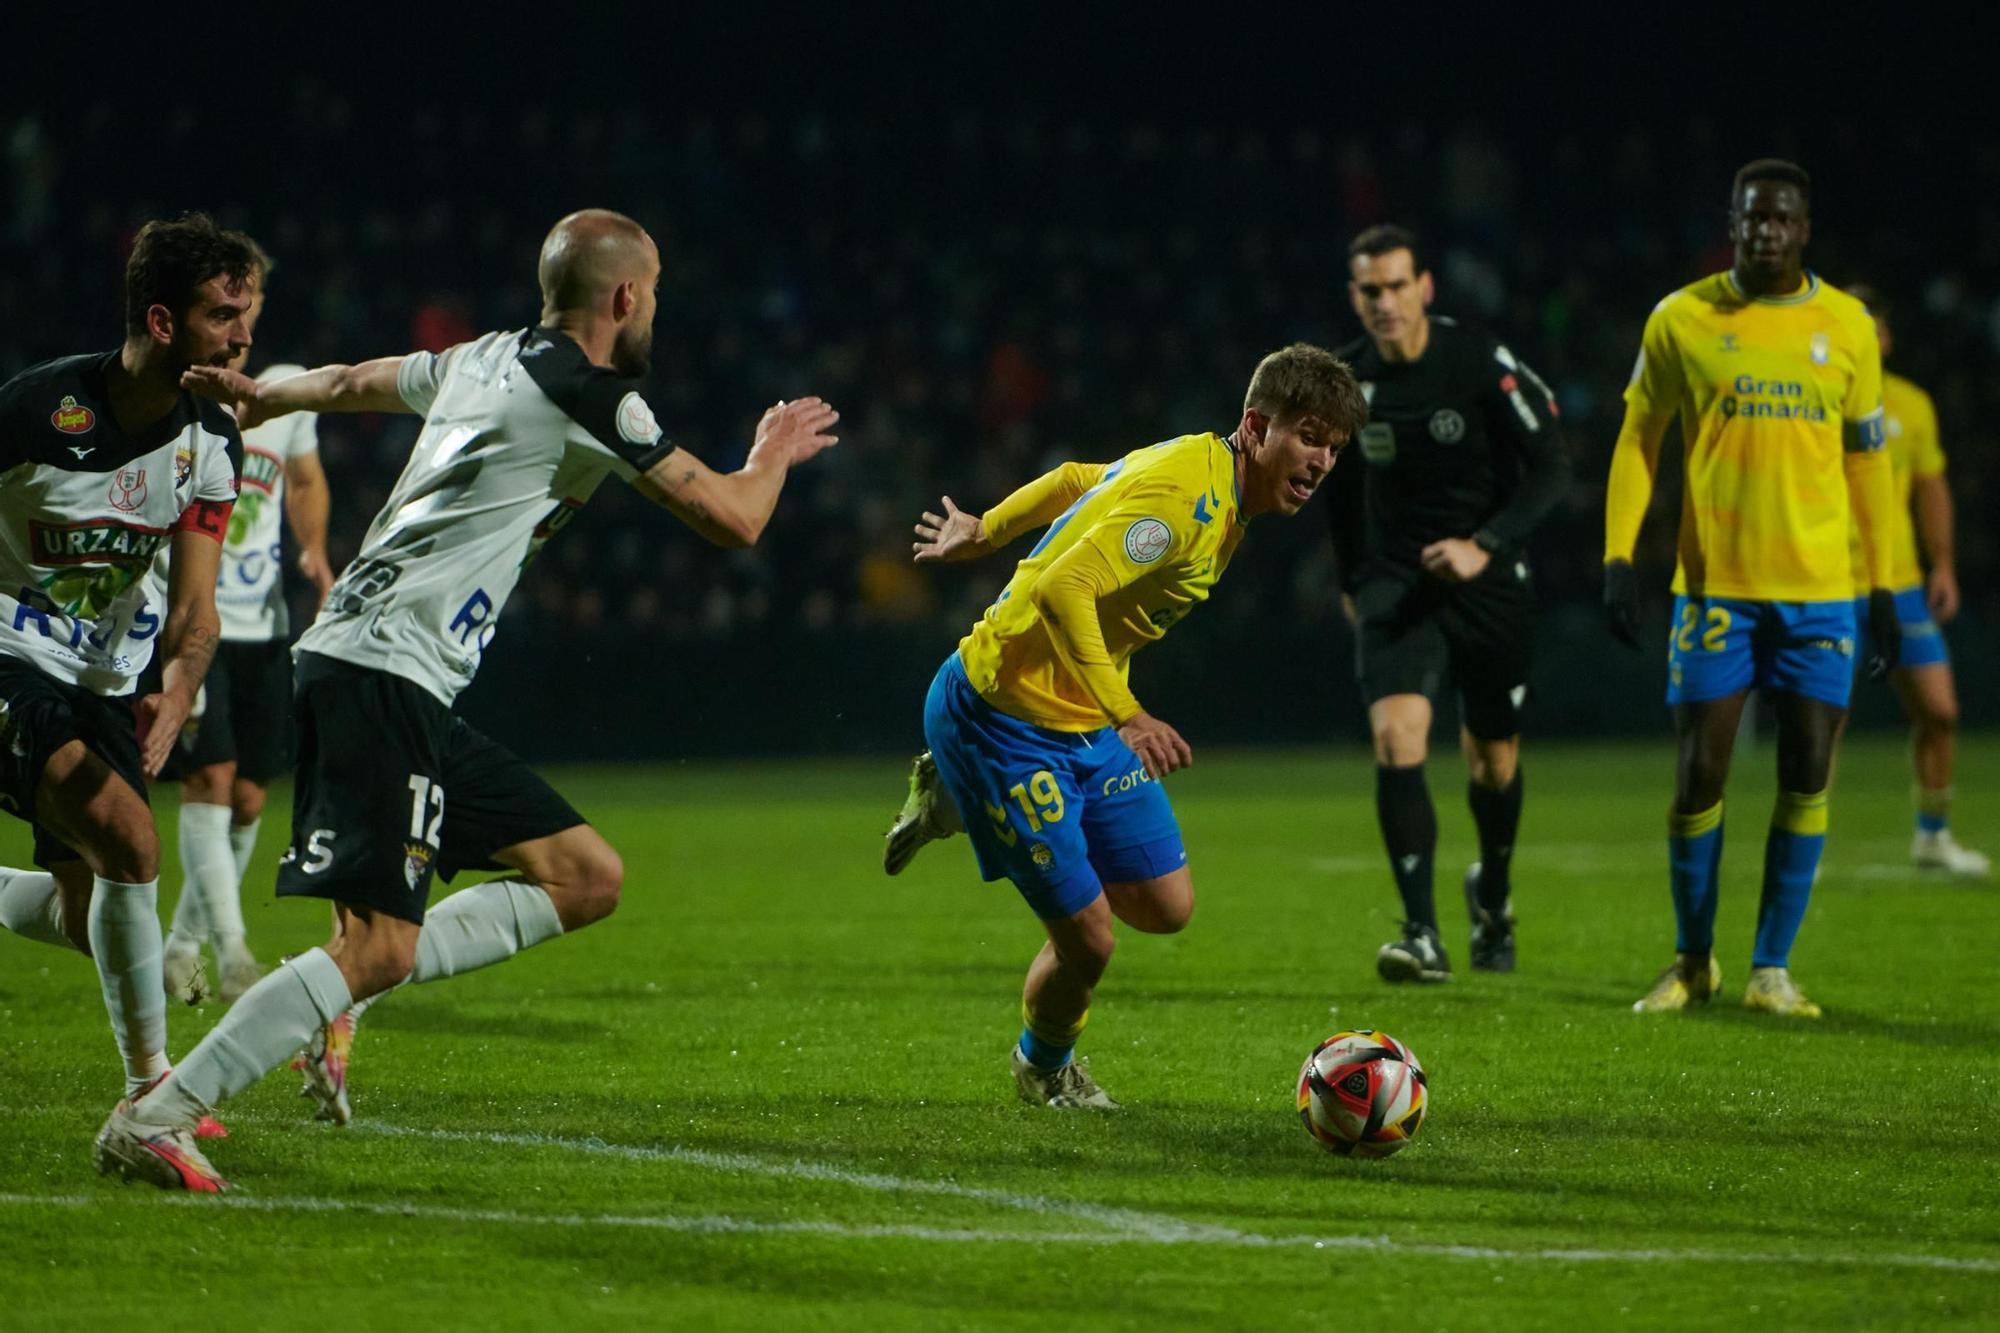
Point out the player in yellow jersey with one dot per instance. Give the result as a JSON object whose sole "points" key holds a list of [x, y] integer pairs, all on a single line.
{"points": [[1047, 757], [1924, 603], [1776, 379]]}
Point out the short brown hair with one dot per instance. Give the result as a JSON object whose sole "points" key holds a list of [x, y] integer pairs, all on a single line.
{"points": [[1307, 381], [170, 259], [1386, 238]]}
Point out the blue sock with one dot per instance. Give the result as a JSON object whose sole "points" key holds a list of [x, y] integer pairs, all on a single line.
{"points": [[1044, 1054], [1933, 809], [1694, 856], [1791, 856]]}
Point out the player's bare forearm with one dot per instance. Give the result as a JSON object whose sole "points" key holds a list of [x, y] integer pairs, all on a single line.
{"points": [[367, 387], [1932, 497], [307, 502], [728, 509]]}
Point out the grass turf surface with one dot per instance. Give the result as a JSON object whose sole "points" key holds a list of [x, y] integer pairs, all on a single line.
{"points": [[772, 1090]]}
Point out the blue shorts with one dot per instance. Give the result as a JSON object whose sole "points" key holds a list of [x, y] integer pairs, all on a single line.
{"points": [[1059, 813], [1720, 645], [1923, 641]]}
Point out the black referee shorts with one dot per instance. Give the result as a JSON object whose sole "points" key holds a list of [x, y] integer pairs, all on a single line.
{"points": [[1415, 633], [393, 788], [40, 715]]}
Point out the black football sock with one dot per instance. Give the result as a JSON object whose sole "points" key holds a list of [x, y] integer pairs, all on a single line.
{"points": [[1498, 815], [1410, 832]]}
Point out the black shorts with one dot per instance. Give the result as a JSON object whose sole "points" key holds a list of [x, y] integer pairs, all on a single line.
{"points": [[246, 716], [1415, 632], [394, 787], [38, 716]]}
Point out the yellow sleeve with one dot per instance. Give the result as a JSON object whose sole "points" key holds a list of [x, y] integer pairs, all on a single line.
{"points": [[1920, 433], [1040, 502], [1651, 400], [1871, 483], [1134, 539]]}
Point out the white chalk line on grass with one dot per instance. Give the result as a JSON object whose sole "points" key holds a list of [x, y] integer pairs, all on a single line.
{"points": [[722, 1225]]}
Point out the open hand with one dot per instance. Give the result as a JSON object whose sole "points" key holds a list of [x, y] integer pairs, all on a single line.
{"points": [[794, 431], [231, 388], [160, 717], [952, 535]]}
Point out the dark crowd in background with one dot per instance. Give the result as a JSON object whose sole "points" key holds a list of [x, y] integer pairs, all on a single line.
{"points": [[984, 295]]}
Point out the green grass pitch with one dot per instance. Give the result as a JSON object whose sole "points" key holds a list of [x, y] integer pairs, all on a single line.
{"points": [[772, 1091]]}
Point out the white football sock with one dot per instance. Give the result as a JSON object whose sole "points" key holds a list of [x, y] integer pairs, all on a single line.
{"points": [[211, 871], [125, 939], [261, 1031], [31, 907], [242, 843], [485, 924], [190, 927]]}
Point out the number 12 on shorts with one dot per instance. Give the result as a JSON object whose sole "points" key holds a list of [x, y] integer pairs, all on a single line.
{"points": [[426, 799]]}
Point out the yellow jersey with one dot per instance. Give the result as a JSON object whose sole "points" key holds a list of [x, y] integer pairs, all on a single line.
{"points": [[1145, 538], [1914, 453], [1773, 395]]}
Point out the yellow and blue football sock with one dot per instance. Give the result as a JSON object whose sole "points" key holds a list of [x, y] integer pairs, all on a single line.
{"points": [[1046, 1045], [1694, 859], [1933, 809], [1410, 832], [1791, 859]]}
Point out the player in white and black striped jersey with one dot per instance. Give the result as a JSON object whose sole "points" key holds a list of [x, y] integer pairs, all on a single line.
{"points": [[520, 428], [240, 736], [106, 460]]}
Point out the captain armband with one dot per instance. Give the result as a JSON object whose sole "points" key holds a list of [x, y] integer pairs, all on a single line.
{"points": [[208, 517], [1866, 435]]}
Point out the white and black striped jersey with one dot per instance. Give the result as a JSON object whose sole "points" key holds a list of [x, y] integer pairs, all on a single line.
{"points": [[84, 507], [519, 429]]}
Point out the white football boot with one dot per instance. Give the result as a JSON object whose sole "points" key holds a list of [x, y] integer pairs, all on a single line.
{"points": [[1940, 851], [1069, 1088]]}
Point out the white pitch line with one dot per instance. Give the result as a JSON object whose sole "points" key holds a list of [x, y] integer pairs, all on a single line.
{"points": [[715, 1224]]}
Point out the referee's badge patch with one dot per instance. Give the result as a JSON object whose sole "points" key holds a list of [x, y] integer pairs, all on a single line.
{"points": [[635, 420], [1147, 540], [1447, 426]]}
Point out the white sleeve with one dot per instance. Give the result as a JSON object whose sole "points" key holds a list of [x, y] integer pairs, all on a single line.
{"points": [[421, 375], [215, 474]]}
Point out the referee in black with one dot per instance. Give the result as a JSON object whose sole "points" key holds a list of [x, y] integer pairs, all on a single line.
{"points": [[1462, 457]]}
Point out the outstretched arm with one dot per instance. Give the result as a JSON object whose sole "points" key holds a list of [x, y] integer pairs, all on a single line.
{"points": [[731, 508], [957, 535], [368, 387]]}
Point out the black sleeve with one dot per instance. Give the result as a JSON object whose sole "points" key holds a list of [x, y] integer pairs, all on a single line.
{"points": [[603, 402], [1522, 415], [1346, 509], [13, 426]]}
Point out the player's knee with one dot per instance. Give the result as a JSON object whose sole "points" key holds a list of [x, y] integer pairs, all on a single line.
{"points": [[128, 846], [602, 879], [246, 803], [1171, 916]]}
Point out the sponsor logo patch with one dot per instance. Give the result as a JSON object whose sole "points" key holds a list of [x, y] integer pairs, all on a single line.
{"points": [[1821, 349], [1147, 540], [71, 417]]}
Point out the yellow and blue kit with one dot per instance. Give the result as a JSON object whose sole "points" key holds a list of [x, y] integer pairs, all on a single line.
{"points": [[1022, 720], [1779, 401], [1915, 455]]}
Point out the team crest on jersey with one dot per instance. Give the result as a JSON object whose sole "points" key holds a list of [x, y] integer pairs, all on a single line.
{"points": [[1447, 426], [635, 420], [1042, 856], [128, 489], [1729, 343], [416, 862], [183, 465], [1821, 348], [72, 417], [1147, 540]]}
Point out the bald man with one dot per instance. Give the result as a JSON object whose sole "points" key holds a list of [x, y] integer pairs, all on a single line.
{"points": [[393, 787]]}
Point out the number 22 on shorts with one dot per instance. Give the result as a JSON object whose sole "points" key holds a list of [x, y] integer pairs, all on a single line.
{"points": [[1714, 634]]}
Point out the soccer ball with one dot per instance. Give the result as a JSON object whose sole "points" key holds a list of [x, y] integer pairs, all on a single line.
{"points": [[1362, 1094]]}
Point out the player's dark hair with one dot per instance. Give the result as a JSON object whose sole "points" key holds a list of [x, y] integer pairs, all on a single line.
{"points": [[171, 259], [1385, 238], [1303, 380], [1770, 169]]}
